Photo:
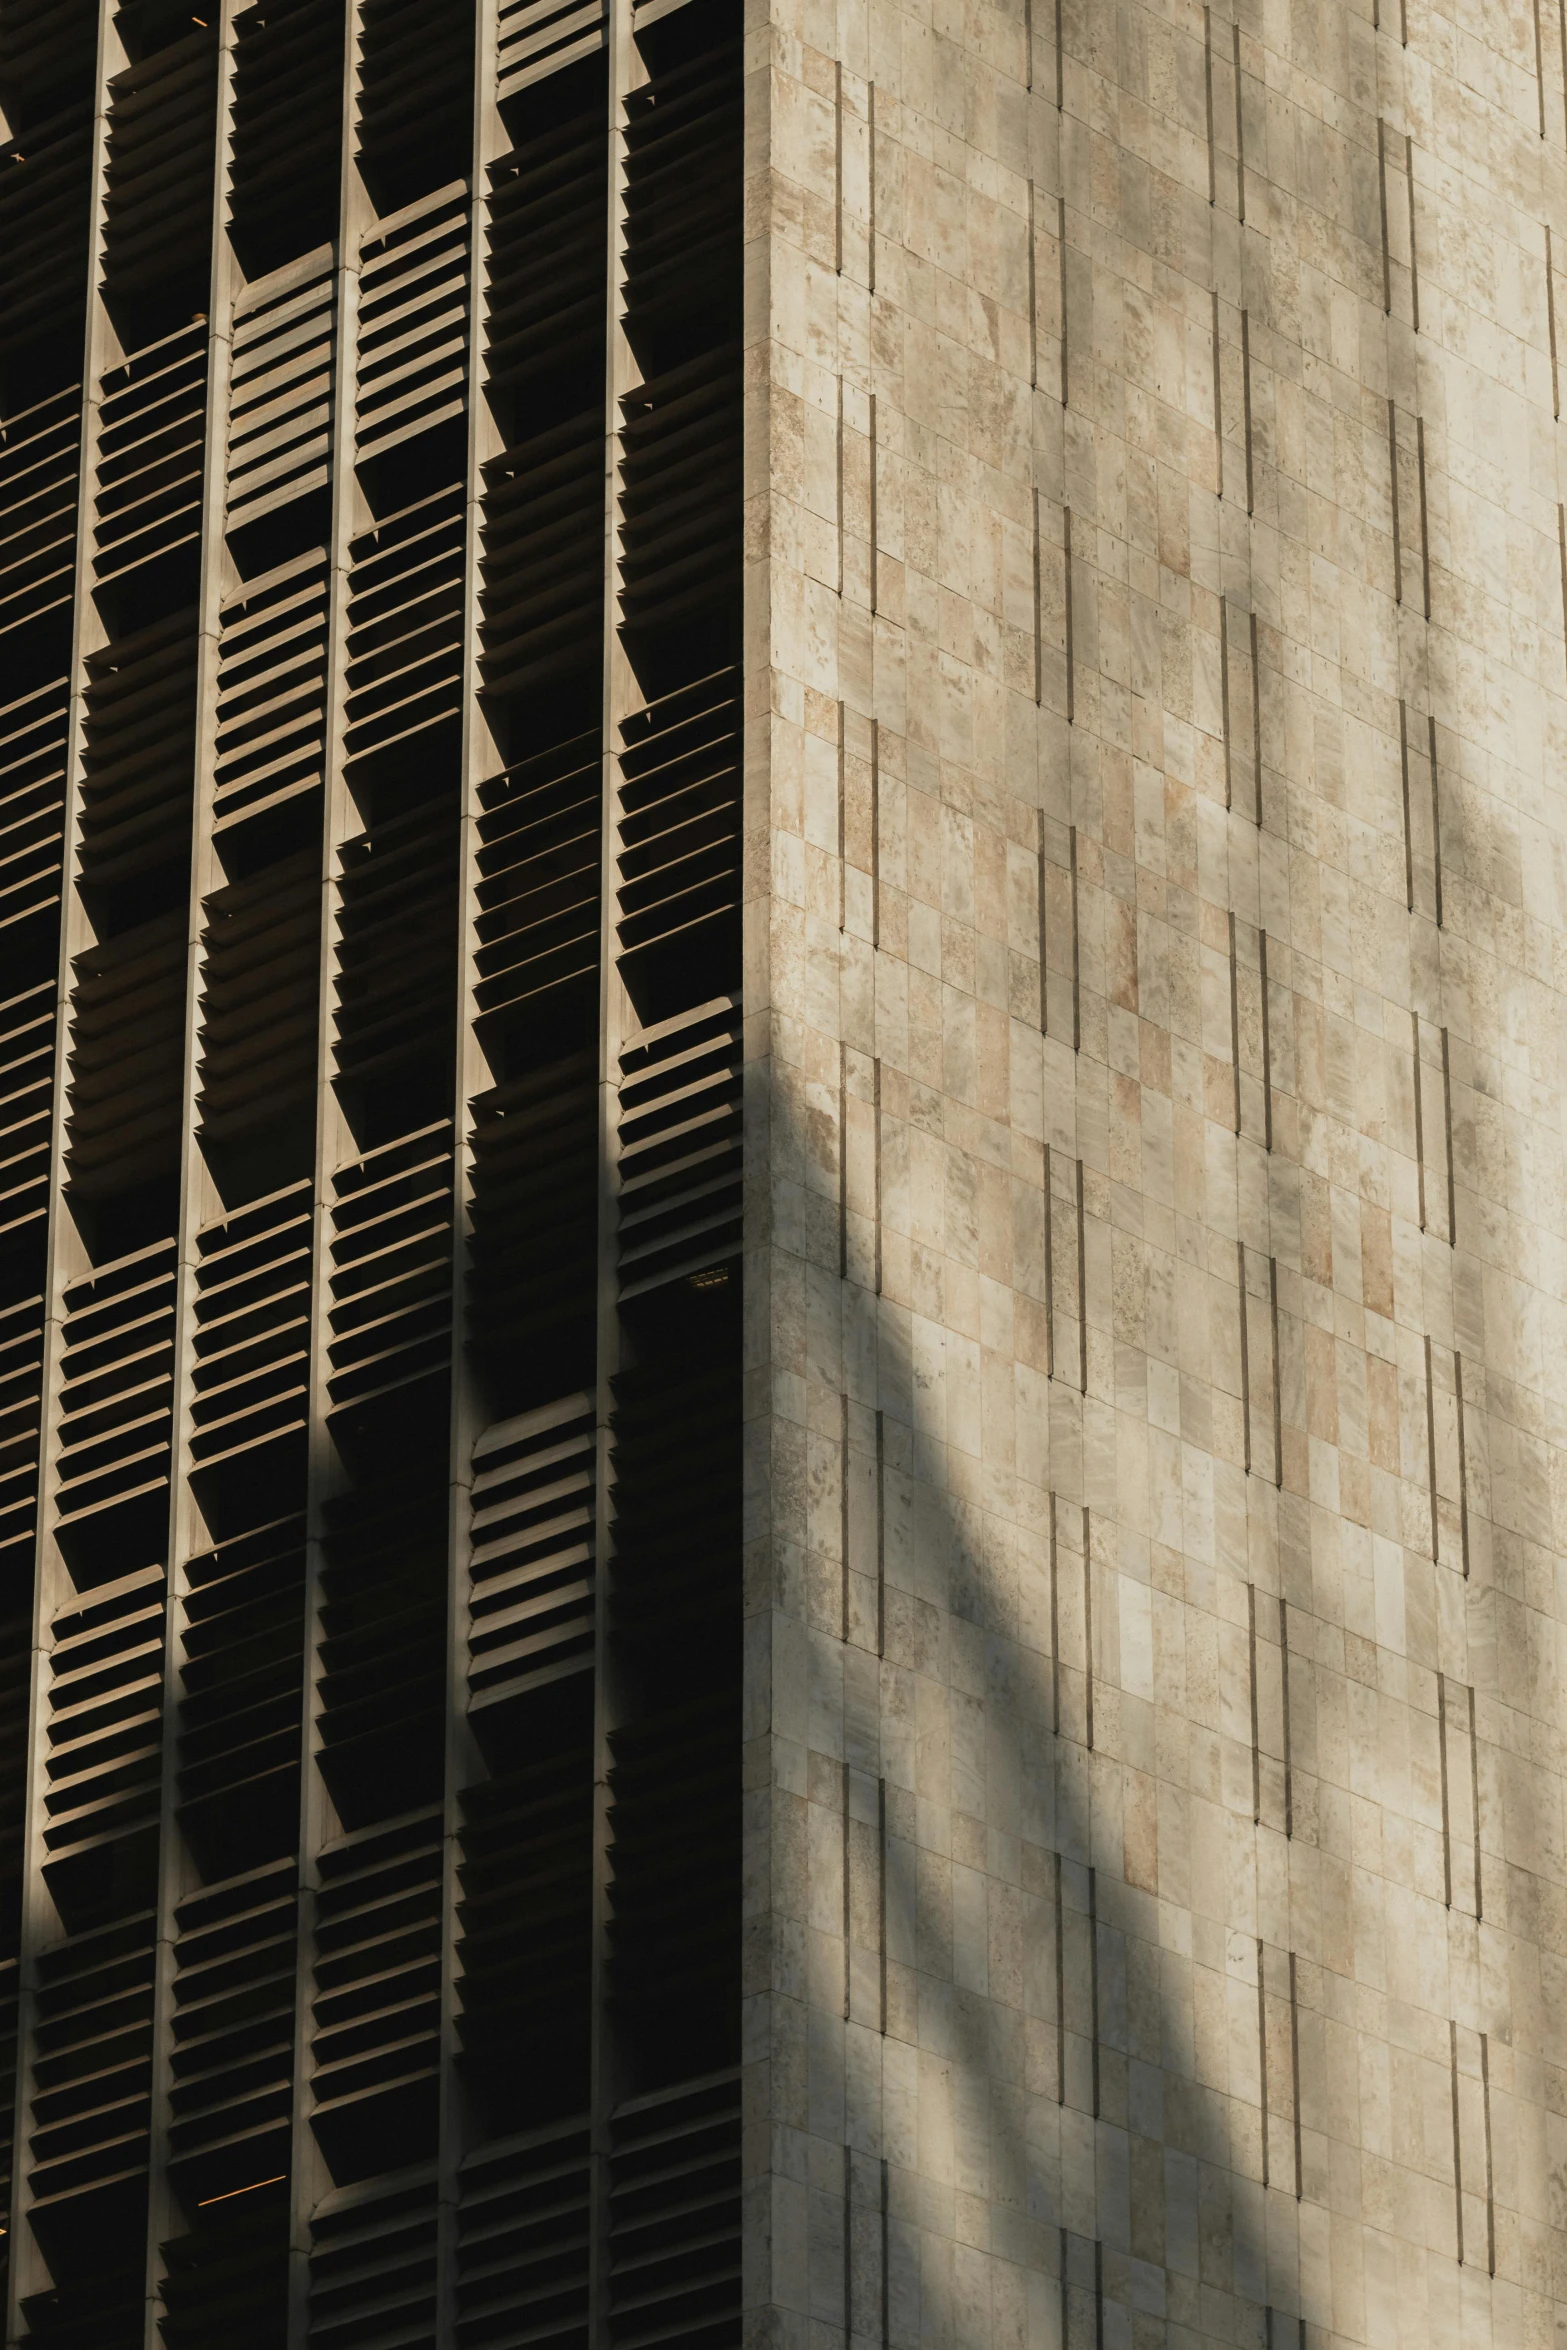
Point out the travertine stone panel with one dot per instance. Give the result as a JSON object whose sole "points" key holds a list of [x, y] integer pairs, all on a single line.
{"points": [[1157, 940]]}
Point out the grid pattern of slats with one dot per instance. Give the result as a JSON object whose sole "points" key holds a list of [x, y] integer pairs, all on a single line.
{"points": [[234, 1959], [270, 730], [33, 734], [403, 675], [242, 1697], [411, 372], [539, 37], [523, 2242], [674, 2212], [369, 1175], [158, 182], [280, 396], [252, 1329], [531, 1614], [288, 130], [39, 458], [47, 87], [151, 441], [88, 2148]]}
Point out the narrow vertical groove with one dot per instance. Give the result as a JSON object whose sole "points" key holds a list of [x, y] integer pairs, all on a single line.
{"points": [[1409, 845], [1066, 572], [838, 473], [1235, 1025], [1246, 403], [848, 1908], [1425, 525], [1387, 257], [876, 1163], [1041, 927], [1256, 717], [843, 1160], [1539, 66], [1490, 2173], [1093, 1979], [870, 188], [874, 517], [1060, 1926], [1033, 284], [1028, 44], [1561, 551], [1458, 2140], [1066, 378], [1060, 62], [1262, 2060], [875, 832], [1245, 1338], [1039, 623], [1447, 1122], [1474, 1796], [1392, 466], [1447, 1817], [1207, 83], [1463, 1463], [837, 163], [1436, 821], [1550, 299], [848, 2243], [1278, 1381], [1256, 1744], [843, 1510], [1088, 1642], [1077, 953], [1050, 1285], [1420, 1137], [881, 1532], [1431, 1447], [1224, 699], [1414, 263], [1055, 1650], [843, 803], [886, 2257], [1240, 140], [1041, 863], [1284, 1707], [1267, 1039], [1295, 2076], [881, 1898], [1218, 405], [1082, 1287]]}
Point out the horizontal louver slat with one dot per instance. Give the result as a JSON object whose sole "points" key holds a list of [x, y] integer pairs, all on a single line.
{"points": [[280, 394]]}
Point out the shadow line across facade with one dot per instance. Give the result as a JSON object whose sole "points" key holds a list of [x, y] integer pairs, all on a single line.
{"points": [[780, 1037]]}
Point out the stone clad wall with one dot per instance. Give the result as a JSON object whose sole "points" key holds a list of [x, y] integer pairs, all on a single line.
{"points": [[1157, 1372]]}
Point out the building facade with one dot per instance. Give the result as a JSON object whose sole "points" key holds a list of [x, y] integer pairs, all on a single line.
{"points": [[782, 1217]]}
